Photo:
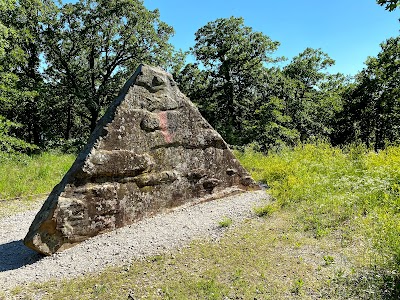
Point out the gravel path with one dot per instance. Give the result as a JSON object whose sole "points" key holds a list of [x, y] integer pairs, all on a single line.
{"points": [[20, 265]]}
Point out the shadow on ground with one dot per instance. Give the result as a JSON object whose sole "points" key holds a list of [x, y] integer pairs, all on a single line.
{"points": [[14, 255]]}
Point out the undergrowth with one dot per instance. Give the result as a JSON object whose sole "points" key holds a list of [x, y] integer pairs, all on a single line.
{"points": [[225, 222], [350, 190]]}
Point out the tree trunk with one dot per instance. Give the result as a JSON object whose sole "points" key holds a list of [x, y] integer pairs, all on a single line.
{"points": [[35, 120], [94, 114], [67, 133]]}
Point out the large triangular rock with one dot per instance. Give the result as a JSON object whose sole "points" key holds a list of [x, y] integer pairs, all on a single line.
{"points": [[151, 151]]}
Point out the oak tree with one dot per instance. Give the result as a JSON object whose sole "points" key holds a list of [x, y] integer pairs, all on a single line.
{"points": [[232, 56], [92, 47]]}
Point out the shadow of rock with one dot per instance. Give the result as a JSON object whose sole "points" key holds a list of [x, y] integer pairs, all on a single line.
{"points": [[15, 254]]}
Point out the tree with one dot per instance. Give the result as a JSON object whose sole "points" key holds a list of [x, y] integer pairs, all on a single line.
{"points": [[12, 57], [374, 103], [233, 58], [307, 67], [345, 126], [270, 126], [390, 5], [93, 46], [28, 19], [195, 83], [316, 100]]}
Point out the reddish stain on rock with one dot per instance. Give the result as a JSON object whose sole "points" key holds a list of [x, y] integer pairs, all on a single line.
{"points": [[163, 116]]}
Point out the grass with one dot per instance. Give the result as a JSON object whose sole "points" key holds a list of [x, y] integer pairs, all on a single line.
{"points": [[225, 222], [328, 260], [338, 190], [262, 259], [24, 176], [26, 180], [333, 232], [265, 210]]}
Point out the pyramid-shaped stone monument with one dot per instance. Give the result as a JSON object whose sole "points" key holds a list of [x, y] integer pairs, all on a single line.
{"points": [[152, 151]]}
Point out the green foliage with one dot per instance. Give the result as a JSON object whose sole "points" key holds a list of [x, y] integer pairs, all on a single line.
{"points": [[232, 56], [250, 103], [332, 188], [62, 65], [26, 20], [328, 260], [282, 257], [297, 286], [6, 4], [225, 222], [390, 5], [92, 47], [84, 50], [270, 126], [246, 101], [10, 145], [12, 55], [316, 100], [372, 105], [23, 175], [265, 210], [307, 66], [227, 45]]}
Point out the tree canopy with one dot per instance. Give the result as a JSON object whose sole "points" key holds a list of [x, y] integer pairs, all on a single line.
{"points": [[62, 64], [373, 103], [233, 56], [18, 41], [66, 63], [93, 46]]}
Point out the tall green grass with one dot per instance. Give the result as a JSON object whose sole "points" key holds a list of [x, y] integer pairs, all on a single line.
{"points": [[351, 190], [26, 176]]}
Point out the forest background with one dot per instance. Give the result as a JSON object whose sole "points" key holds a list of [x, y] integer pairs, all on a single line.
{"points": [[61, 65]]}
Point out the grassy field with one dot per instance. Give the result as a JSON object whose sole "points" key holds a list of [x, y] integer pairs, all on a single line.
{"points": [[348, 194], [24, 176], [351, 190], [25, 180], [332, 232]]}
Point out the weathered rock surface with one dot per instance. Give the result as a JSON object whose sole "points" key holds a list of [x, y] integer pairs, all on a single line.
{"points": [[151, 151]]}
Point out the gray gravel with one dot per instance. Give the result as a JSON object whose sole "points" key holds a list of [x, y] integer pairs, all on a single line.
{"points": [[20, 265]]}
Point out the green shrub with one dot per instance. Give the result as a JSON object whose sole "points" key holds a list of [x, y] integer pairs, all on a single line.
{"points": [[328, 260]]}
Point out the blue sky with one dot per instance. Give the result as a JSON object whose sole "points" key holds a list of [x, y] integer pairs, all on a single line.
{"points": [[348, 30]]}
